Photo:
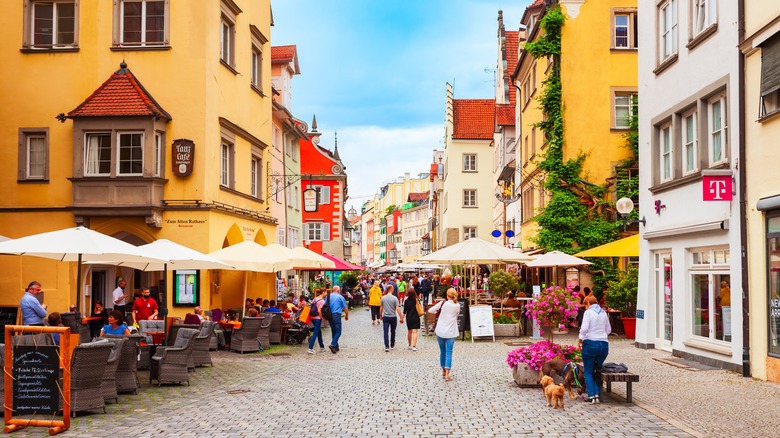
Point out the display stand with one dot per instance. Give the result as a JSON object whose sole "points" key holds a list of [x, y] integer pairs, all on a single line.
{"points": [[481, 322]]}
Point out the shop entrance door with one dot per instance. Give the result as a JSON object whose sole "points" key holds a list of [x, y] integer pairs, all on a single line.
{"points": [[663, 289]]}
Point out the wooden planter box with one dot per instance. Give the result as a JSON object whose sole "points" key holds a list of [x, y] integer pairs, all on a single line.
{"points": [[506, 330], [524, 376]]}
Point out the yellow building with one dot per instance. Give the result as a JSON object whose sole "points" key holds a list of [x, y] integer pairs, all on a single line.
{"points": [[141, 120], [598, 65]]}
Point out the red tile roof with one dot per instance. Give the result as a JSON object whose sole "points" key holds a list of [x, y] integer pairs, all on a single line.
{"points": [[512, 45], [536, 3], [414, 197], [473, 119], [282, 53], [505, 114], [121, 95]]}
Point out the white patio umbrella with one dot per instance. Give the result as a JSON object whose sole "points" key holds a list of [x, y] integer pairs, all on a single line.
{"points": [[555, 259], [251, 256], [302, 257], [175, 256], [476, 251], [79, 245]]}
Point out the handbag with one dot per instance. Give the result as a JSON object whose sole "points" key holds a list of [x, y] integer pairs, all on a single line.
{"points": [[438, 312], [304, 317], [325, 312], [420, 311]]}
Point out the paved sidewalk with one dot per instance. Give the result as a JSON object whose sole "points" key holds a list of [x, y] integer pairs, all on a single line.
{"points": [[364, 392]]}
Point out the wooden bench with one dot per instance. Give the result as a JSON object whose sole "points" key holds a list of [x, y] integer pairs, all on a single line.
{"points": [[629, 378]]}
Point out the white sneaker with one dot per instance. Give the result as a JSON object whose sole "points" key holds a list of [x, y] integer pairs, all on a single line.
{"points": [[409, 347], [392, 348], [310, 351], [414, 348], [387, 350]]}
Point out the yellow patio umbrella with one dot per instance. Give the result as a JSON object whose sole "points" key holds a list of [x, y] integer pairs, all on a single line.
{"points": [[626, 247]]}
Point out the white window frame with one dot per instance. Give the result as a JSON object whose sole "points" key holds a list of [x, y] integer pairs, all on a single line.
{"points": [[144, 22], [709, 266], [630, 26], [31, 12], [133, 160], [26, 155], [469, 162], [227, 33], [225, 164], [469, 232], [629, 107], [689, 139], [469, 198], [158, 154], [316, 231], [87, 168], [704, 13], [668, 29], [256, 66], [717, 128], [254, 175], [666, 155]]}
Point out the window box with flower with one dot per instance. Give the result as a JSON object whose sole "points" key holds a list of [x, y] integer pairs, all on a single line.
{"points": [[505, 325]]}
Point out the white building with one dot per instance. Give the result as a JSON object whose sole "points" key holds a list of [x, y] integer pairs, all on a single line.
{"points": [[689, 132]]}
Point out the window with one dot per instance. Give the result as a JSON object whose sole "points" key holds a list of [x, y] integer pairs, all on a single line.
{"points": [[690, 143], [711, 294], [469, 233], [770, 76], [324, 194], [50, 24], [666, 152], [533, 141], [624, 35], [293, 238], [131, 154], [470, 198], [98, 154], [33, 162], [256, 64], [527, 90], [717, 129], [226, 165], [255, 67], [254, 173], [704, 14], [528, 204], [226, 41], [624, 106], [469, 162], [280, 238], [667, 18], [316, 231], [142, 23], [158, 154], [773, 289]]}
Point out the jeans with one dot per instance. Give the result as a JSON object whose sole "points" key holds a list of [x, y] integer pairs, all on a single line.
{"points": [[316, 334], [375, 315], [389, 322], [593, 355], [445, 351], [425, 298], [335, 330]]}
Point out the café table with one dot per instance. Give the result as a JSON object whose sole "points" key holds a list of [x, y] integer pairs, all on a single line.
{"points": [[227, 329]]}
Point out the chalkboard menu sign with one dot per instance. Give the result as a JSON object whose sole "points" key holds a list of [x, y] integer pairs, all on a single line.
{"points": [[36, 371], [8, 316]]}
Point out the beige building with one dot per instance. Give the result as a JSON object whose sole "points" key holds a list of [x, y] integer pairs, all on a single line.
{"points": [[415, 227]]}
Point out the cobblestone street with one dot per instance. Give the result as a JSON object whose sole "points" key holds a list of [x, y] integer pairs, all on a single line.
{"points": [[363, 391]]}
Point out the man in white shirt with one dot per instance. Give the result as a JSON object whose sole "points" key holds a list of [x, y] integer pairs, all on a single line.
{"points": [[120, 296]]}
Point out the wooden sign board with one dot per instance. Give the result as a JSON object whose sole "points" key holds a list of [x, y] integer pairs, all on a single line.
{"points": [[182, 157], [481, 321]]}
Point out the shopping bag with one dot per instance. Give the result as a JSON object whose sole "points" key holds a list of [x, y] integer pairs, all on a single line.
{"points": [[304, 316]]}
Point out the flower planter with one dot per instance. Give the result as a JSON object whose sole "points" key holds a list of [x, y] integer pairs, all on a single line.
{"points": [[629, 327], [524, 376], [506, 330]]}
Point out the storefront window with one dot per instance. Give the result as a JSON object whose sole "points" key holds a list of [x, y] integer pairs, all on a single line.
{"points": [[711, 293], [773, 249]]}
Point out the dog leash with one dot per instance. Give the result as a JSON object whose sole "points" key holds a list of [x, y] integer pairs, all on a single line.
{"points": [[574, 373]]}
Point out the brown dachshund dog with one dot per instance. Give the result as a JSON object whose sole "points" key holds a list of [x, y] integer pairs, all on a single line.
{"points": [[565, 369]]}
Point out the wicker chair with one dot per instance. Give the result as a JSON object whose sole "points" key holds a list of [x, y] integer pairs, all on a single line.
{"points": [[263, 336], [244, 338], [169, 364], [86, 375], [174, 329], [275, 333], [73, 320], [151, 325], [200, 352], [108, 386], [127, 369]]}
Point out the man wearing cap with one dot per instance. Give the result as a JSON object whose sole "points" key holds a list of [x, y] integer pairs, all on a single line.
{"points": [[33, 312], [120, 296]]}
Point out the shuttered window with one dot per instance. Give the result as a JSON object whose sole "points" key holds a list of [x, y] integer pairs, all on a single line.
{"points": [[770, 75]]}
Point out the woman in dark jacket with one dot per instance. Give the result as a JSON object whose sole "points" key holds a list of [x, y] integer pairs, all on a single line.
{"points": [[95, 325], [412, 318]]}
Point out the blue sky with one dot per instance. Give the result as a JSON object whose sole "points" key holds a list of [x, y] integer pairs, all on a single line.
{"points": [[376, 71]]}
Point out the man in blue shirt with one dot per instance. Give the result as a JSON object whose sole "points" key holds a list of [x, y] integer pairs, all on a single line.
{"points": [[272, 307], [337, 305], [33, 311]]}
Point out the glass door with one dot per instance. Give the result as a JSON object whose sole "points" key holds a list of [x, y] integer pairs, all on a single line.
{"points": [[664, 315]]}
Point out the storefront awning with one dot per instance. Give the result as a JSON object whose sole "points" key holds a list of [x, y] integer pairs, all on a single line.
{"points": [[626, 247]]}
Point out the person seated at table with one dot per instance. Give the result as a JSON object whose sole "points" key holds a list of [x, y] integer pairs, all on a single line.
{"points": [[272, 307], [252, 313], [95, 325], [511, 302], [264, 306], [116, 325], [55, 320], [301, 301], [199, 313], [289, 305], [250, 303]]}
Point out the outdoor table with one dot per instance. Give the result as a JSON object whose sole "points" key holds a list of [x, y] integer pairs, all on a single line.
{"points": [[283, 332], [615, 321], [157, 337]]}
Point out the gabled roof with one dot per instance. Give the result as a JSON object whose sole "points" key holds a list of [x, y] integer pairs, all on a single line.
{"points": [[285, 54], [473, 119], [416, 197], [505, 113], [121, 95]]}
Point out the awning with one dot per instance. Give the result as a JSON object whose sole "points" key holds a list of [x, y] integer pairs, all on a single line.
{"points": [[626, 247]]}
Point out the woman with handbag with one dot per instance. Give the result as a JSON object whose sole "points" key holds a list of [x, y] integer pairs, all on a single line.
{"points": [[446, 329], [412, 312]]}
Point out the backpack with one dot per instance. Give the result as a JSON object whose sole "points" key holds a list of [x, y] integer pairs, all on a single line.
{"points": [[325, 312], [314, 311]]}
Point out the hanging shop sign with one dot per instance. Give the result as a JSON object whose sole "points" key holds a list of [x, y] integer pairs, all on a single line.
{"points": [[717, 186], [183, 156], [311, 200]]}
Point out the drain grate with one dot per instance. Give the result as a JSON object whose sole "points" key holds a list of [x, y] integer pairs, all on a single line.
{"points": [[281, 354], [686, 364], [517, 344], [238, 391]]}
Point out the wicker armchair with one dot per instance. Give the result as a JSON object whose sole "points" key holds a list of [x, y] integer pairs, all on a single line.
{"points": [[173, 330], [86, 375], [275, 333], [200, 352], [245, 338], [263, 336], [169, 364], [73, 320], [108, 386], [127, 369], [151, 325]]}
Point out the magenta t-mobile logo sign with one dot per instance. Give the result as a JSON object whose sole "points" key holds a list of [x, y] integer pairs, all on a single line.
{"points": [[717, 188]]}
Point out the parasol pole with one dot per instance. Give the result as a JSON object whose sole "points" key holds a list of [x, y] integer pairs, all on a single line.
{"points": [[78, 284], [243, 306]]}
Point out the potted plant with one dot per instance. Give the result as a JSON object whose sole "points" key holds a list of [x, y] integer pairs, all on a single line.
{"points": [[553, 308], [621, 295], [526, 361], [505, 324], [502, 282]]}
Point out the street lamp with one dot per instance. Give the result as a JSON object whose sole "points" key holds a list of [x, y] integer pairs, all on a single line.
{"points": [[625, 206]]}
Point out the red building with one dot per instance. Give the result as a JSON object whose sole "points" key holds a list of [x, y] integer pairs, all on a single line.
{"points": [[324, 229]]}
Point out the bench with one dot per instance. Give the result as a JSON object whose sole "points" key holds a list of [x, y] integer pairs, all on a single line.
{"points": [[629, 378]]}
